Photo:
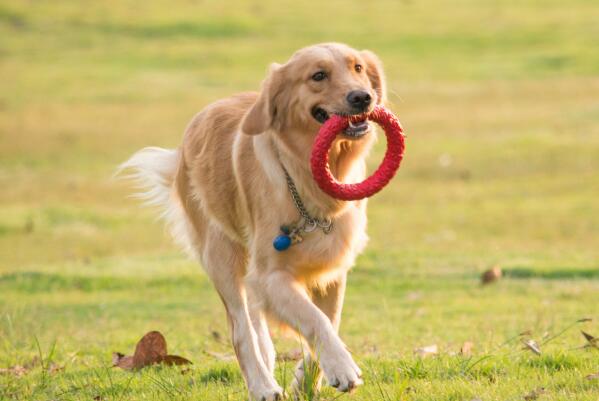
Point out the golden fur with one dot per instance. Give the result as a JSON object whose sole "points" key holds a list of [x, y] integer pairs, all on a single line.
{"points": [[225, 197]]}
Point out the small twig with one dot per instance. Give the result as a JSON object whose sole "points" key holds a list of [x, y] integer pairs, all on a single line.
{"points": [[560, 333]]}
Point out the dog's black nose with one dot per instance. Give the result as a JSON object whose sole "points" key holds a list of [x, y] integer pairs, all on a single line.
{"points": [[359, 100]]}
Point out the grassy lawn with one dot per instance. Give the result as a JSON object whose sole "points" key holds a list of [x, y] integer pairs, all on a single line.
{"points": [[500, 101]]}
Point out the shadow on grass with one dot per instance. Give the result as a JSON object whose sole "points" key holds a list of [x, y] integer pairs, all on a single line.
{"points": [[557, 274], [36, 282]]}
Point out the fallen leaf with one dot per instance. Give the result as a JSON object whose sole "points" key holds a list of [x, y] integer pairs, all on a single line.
{"points": [[20, 370], [413, 295], [172, 360], [466, 348], [592, 341], [589, 337], [116, 358], [122, 361], [216, 336], [16, 370], [533, 395], [55, 368], [427, 351], [491, 275], [532, 345], [592, 376], [150, 350], [219, 356]]}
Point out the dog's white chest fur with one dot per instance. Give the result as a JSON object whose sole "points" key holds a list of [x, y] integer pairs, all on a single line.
{"points": [[322, 255]]}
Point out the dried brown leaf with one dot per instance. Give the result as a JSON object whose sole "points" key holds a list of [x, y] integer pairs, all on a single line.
{"points": [[592, 376], [413, 295], [587, 336], [427, 351], [116, 357], [124, 362], [491, 275], [55, 368], [466, 348], [533, 395], [592, 341], [150, 350], [532, 345], [17, 370], [216, 336], [172, 360]]}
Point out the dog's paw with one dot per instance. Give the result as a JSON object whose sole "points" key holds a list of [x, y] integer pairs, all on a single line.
{"points": [[274, 393], [341, 371]]}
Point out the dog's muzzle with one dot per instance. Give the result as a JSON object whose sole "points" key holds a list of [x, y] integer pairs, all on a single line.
{"points": [[358, 127]]}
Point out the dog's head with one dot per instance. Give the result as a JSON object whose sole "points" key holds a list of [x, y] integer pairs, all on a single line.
{"points": [[297, 97]]}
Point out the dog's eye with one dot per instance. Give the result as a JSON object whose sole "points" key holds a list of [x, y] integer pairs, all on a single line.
{"points": [[319, 76], [358, 68]]}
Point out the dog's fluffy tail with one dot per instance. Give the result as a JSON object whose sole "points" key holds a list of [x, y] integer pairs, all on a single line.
{"points": [[153, 171]]}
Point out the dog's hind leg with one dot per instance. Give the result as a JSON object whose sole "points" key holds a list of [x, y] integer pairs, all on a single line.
{"points": [[224, 261]]}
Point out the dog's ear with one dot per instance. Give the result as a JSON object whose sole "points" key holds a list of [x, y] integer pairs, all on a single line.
{"points": [[374, 70], [263, 114]]}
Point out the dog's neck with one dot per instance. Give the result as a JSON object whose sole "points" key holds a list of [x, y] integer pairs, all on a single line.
{"points": [[346, 162]]}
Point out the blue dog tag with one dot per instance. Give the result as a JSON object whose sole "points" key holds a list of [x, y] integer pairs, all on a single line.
{"points": [[282, 242]]}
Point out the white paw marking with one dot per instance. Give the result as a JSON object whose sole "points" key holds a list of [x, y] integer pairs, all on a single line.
{"points": [[271, 392], [340, 370]]}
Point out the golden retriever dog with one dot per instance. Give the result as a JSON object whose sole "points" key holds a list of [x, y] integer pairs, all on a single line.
{"points": [[236, 179]]}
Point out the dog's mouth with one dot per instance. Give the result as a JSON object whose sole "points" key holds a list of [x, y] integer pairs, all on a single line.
{"points": [[358, 124]]}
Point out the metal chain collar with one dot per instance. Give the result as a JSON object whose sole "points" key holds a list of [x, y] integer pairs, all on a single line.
{"points": [[309, 223]]}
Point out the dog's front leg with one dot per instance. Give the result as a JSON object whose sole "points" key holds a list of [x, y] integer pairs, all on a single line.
{"points": [[330, 302], [289, 301]]}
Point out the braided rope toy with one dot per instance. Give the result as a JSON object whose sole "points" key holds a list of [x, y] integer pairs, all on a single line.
{"points": [[381, 177]]}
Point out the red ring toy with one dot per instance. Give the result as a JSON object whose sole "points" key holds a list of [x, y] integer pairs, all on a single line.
{"points": [[381, 177]]}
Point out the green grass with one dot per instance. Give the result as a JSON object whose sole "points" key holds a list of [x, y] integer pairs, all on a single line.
{"points": [[500, 103]]}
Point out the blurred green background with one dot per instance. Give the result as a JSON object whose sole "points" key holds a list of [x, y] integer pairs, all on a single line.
{"points": [[500, 101]]}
